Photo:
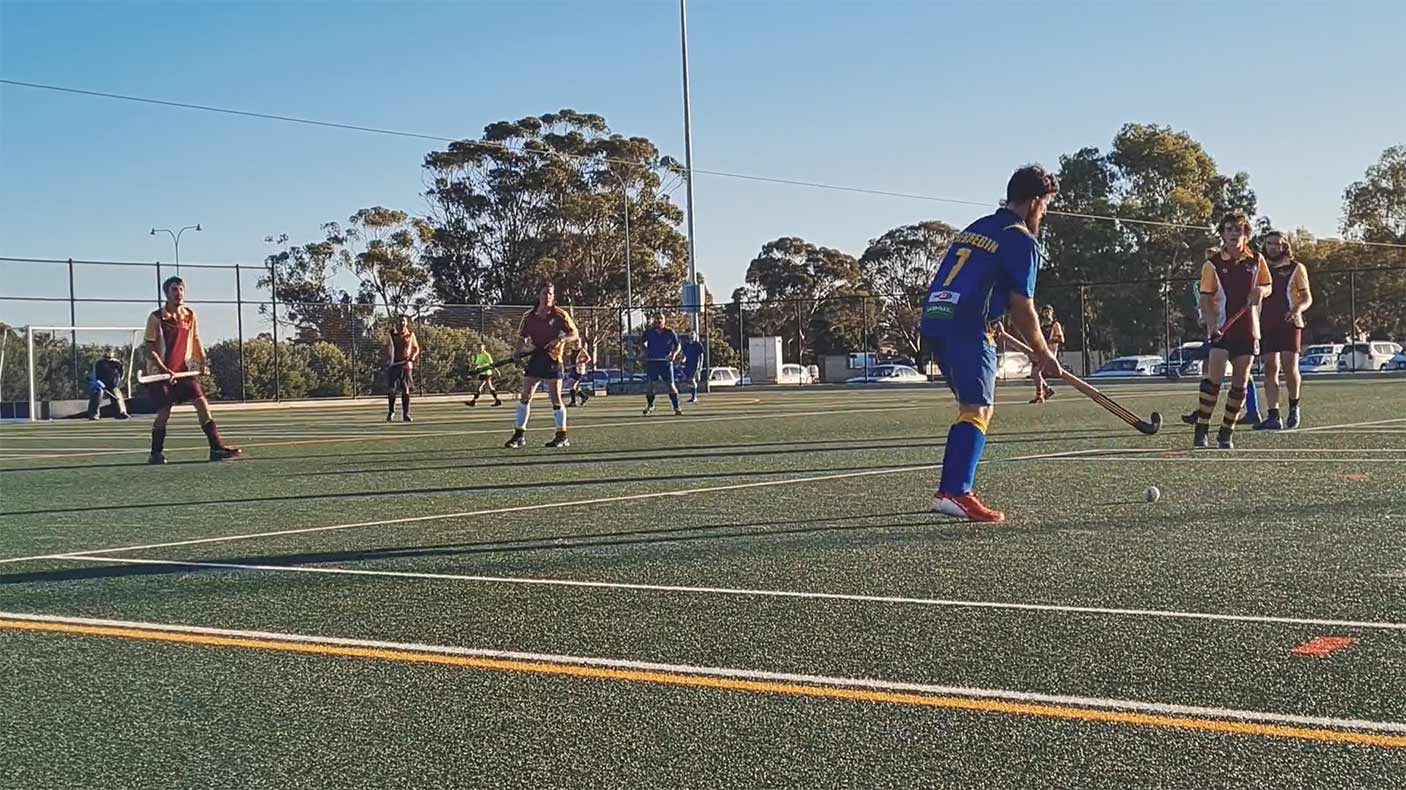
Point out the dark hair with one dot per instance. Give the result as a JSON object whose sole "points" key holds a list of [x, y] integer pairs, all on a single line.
{"points": [[1236, 217], [1283, 241], [170, 281], [1030, 182]]}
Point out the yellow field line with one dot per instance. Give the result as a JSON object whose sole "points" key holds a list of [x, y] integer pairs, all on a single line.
{"points": [[729, 684]]}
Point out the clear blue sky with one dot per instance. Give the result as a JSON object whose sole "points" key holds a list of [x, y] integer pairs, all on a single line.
{"points": [[932, 97]]}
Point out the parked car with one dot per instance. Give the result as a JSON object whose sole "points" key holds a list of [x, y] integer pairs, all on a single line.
{"points": [[1329, 349], [1397, 362], [794, 374], [890, 374], [723, 377], [1372, 355], [1139, 365], [1318, 362], [1012, 365]]}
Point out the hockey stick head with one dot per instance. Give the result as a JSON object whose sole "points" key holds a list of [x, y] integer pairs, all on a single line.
{"points": [[1150, 426]]}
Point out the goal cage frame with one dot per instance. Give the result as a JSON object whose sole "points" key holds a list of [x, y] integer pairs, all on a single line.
{"points": [[137, 341]]}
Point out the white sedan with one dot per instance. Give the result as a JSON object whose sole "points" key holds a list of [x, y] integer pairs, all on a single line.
{"points": [[890, 374]]}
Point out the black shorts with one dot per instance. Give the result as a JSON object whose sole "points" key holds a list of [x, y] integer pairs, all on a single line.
{"points": [[398, 378], [1280, 338], [174, 393], [542, 366], [1238, 344]]}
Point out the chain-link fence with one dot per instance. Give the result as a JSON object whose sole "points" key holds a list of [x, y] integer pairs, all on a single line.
{"points": [[258, 348], [262, 349]]}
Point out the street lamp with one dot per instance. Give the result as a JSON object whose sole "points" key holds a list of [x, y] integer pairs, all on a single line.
{"points": [[176, 238]]}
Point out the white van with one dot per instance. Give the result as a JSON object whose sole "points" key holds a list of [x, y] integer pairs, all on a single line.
{"points": [[723, 377], [794, 374]]}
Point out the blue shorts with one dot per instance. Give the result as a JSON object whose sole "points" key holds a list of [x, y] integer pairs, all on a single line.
{"points": [[660, 370], [969, 365]]}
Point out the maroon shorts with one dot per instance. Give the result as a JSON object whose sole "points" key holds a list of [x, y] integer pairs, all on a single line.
{"points": [[175, 393], [1282, 337], [1238, 342]]}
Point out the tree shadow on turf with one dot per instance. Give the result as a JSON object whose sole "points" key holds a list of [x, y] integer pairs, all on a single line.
{"points": [[903, 519], [743, 451], [495, 487], [997, 437]]}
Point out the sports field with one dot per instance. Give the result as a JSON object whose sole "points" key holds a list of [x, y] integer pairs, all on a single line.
{"points": [[748, 595]]}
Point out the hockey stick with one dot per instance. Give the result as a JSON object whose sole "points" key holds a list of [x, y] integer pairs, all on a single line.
{"points": [[502, 363], [1204, 352], [142, 378], [1149, 426]]}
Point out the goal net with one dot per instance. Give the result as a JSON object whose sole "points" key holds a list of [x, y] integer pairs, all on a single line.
{"points": [[55, 363]]}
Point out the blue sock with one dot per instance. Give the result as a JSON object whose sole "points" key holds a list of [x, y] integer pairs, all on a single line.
{"points": [[674, 399], [965, 444], [649, 400], [693, 390], [1252, 401]]}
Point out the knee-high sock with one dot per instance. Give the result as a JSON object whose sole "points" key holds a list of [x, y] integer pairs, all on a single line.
{"points": [[1210, 392], [649, 399], [158, 439], [559, 417], [965, 443], [390, 403], [1252, 401], [674, 398], [523, 410], [405, 403], [1233, 403], [212, 435]]}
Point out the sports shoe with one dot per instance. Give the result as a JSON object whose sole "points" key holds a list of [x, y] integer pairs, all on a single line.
{"points": [[497, 403], [559, 440], [966, 507], [407, 418], [678, 412], [390, 417], [472, 403], [156, 459], [518, 441], [93, 417], [224, 453], [1190, 419], [1271, 424], [1038, 399], [648, 410], [1293, 421], [1223, 440], [1049, 392], [693, 399], [1200, 439], [124, 416]]}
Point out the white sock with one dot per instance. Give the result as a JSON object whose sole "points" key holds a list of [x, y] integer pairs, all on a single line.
{"points": [[559, 417], [523, 409]]}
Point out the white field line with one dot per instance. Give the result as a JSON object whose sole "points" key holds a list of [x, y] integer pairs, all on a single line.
{"points": [[741, 674], [764, 593], [540, 506], [1345, 425], [432, 434]]}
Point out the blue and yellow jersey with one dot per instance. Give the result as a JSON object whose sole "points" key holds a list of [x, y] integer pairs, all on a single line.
{"points": [[993, 258]]}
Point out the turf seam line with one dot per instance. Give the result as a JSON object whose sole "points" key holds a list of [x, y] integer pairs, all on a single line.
{"points": [[1165, 715], [763, 593]]}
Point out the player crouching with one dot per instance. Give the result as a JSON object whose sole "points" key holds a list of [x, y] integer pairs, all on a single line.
{"points": [[545, 332], [172, 347]]}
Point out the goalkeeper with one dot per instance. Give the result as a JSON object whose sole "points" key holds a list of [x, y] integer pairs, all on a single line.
{"points": [[106, 379]]}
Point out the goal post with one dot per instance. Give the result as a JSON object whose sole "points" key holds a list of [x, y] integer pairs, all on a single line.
{"points": [[47, 346]]}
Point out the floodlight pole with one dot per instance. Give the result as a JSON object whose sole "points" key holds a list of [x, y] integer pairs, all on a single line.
{"points": [[688, 160]]}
